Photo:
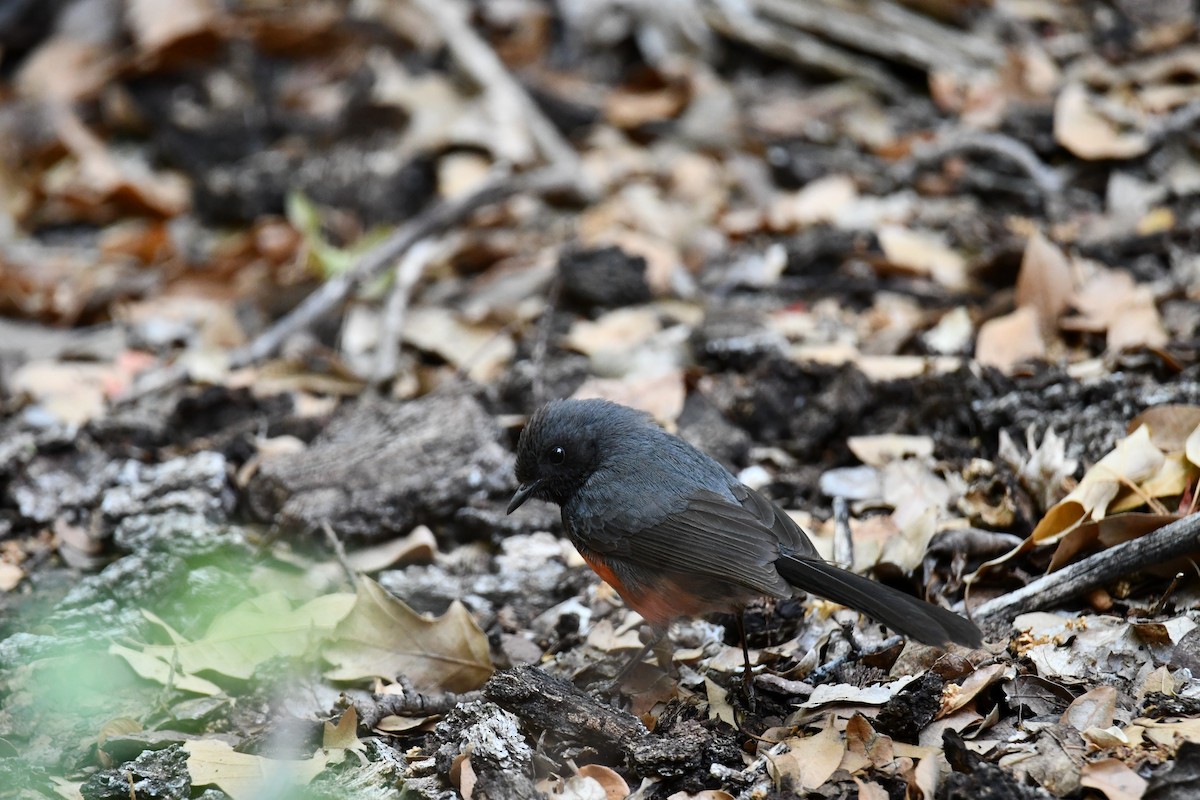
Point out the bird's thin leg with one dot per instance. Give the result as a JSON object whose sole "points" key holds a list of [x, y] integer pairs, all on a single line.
{"points": [[619, 678], [747, 674]]}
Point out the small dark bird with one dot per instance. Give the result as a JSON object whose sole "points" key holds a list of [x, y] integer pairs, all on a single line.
{"points": [[677, 535]]}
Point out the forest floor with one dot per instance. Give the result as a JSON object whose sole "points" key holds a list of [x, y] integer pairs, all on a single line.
{"points": [[282, 282]]}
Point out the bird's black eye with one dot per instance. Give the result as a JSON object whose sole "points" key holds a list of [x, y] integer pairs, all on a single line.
{"points": [[556, 455]]}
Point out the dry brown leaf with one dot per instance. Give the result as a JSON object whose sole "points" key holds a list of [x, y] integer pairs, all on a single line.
{"points": [[1092, 709], [810, 761], [1007, 341], [923, 254], [615, 787], [863, 740], [1106, 532], [1115, 780], [706, 794], [1081, 128], [1045, 282], [1170, 424], [383, 637], [956, 696]]}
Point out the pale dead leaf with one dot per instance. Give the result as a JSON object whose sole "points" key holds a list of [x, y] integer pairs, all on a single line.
{"points": [[1115, 780], [718, 703], [1007, 341], [1092, 709], [810, 761], [383, 637], [870, 791], [880, 449], [618, 330], [706, 794], [1045, 282], [923, 254], [244, 776], [1133, 460], [10, 576], [820, 201], [614, 786], [662, 395], [480, 349], [70, 391], [1081, 128]]}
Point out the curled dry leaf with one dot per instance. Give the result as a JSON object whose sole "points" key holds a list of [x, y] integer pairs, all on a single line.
{"points": [[1134, 459], [1081, 128], [383, 637], [614, 786]]}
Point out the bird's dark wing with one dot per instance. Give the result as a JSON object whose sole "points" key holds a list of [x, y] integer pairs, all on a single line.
{"points": [[710, 536]]}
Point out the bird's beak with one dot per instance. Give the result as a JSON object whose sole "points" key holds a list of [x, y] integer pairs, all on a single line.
{"points": [[522, 494]]}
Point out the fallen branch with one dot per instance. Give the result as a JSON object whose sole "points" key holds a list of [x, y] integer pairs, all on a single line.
{"points": [[553, 704], [1172, 541], [330, 295], [801, 49], [888, 31]]}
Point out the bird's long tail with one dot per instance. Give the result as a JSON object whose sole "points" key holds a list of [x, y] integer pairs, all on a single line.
{"points": [[907, 615]]}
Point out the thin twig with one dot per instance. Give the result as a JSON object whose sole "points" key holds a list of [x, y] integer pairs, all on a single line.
{"points": [[801, 49], [408, 272], [1048, 181], [843, 541], [1176, 540], [339, 552], [542, 343], [825, 670], [480, 61]]}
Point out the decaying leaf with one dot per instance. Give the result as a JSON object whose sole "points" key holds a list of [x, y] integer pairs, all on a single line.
{"points": [[155, 669], [244, 776], [1114, 779], [383, 637], [810, 761], [259, 629]]}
